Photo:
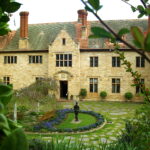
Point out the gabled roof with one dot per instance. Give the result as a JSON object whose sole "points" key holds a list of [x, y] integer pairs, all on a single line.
{"points": [[42, 35]]}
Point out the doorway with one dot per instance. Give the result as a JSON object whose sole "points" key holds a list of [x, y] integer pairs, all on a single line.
{"points": [[64, 89]]}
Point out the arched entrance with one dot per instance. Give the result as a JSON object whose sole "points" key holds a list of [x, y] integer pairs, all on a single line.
{"points": [[64, 78]]}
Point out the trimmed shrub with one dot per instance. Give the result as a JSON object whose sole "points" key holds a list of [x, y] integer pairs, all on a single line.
{"points": [[103, 94], [128, 95], [83, 93]]}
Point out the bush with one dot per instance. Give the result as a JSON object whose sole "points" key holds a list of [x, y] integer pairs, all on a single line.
{"points": [[103, 94], [83, 93], [128, 95]]}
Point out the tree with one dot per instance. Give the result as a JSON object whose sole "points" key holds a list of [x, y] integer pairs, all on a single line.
{"points": [[6, 8], [141, 42], [39, 91]]}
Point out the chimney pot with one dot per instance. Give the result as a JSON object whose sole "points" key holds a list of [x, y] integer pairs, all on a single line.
{"points": [[82, 17]]}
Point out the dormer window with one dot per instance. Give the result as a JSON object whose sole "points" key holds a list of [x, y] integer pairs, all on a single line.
{"points": [[63, 41]]}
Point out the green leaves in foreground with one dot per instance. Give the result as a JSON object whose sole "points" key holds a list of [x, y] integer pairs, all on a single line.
{"points": [[95, 4], [99, 32], [15, 141], [140, 40], [11, 137], [6, 7], [122, 32], [5, 93]]}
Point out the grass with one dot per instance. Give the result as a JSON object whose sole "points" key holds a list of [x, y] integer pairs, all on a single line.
{"points": [[85, 119]]}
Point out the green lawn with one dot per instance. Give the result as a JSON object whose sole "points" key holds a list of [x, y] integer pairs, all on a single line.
{"points": [[84, 119]]}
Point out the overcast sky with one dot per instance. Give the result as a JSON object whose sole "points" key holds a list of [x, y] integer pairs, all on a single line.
{"points": [[44, 11]]}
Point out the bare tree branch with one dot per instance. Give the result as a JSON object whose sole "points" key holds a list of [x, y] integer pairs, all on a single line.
{"points": [[144, 4]]}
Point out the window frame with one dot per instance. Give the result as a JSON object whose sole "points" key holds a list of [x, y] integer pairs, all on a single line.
{"points": [[63, 60], [10, 59], [94, 61], [138, 89], [64, 41], [93, 85], [116, 61], [116, 87], [140, 62], [35, 59], [6, 80]]}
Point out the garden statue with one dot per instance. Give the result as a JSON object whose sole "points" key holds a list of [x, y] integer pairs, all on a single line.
{"points": [[76, 111]]}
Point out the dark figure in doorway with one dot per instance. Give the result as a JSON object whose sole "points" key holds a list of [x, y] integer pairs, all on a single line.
{"points": [[76, 111]]}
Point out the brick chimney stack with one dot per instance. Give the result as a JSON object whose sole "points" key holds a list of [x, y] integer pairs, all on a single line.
{"points": [[82, 17], [82, 28], [23, 42], [24, 24]]}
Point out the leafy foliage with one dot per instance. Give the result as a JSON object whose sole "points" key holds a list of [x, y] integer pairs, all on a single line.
{"points": [[99, 32], [137, 130], [83, 93], [38, 90], [6, 7], [128, 95], [103, 94], [12, 137]]}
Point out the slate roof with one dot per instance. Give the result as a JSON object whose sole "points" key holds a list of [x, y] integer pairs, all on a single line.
{"points": [[116, 25], [41, 35]]}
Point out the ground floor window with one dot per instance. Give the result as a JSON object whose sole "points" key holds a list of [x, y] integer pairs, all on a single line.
{"points": [[6, 80], [93, 85], [139, 88], [39, 78], [115, 85]]}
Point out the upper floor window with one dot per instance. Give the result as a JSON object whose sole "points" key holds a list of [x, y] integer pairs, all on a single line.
{"points": [[115, 85], [35, 59], [63, 60], [115, 61], [139, 88], [94, 61], [93, 85], [140, 62], [6, 80], [63, 41], [10, 59]]}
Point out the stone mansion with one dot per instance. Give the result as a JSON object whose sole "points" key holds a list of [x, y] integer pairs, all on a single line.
{"points": [[64, 52]]}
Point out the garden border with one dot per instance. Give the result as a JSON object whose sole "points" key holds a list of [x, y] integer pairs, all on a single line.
{"points": [[49, 125]]}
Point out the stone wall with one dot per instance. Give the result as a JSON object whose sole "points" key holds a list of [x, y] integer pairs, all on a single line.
{"points": [[23, 74]]}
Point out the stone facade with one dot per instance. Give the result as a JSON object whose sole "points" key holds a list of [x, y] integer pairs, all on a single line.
{"points": [[76, 76]]}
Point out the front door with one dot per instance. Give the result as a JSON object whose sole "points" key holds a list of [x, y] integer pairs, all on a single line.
{"points": [[64, 89]]}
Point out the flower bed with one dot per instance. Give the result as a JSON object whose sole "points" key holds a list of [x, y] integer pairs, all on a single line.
{"points": [[49, 125]]}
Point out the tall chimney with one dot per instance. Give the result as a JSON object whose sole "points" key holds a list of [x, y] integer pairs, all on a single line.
{"points": [[24, 24], [82, 17], [23, 42], [82, 28]]}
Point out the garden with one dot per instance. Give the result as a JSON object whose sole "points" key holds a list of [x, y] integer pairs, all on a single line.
{"points": [[49, 124]]}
